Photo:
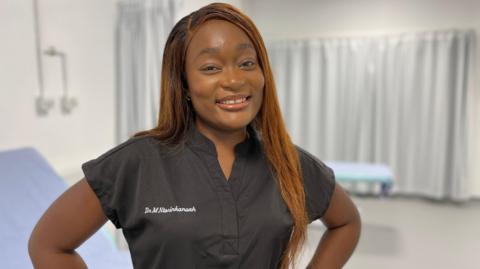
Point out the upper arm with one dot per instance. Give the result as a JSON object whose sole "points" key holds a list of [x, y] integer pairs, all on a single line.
{"points": [[341, 210], [71, 219]]}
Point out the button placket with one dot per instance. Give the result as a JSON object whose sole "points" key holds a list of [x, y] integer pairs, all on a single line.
{"points": [[228, 205]]}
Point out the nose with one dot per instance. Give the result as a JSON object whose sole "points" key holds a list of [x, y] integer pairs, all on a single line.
{"points": [[233, 79]]}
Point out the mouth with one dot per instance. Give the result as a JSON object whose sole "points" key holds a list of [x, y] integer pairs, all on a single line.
{"points": [[234, 103]]}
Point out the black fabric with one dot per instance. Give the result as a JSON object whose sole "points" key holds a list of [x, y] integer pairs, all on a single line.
{"points": [[177, 210]]}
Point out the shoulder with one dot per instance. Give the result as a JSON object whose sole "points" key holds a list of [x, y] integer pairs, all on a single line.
{"points": [[130, 147], [130, 152], [304, 155], [310, 161]]}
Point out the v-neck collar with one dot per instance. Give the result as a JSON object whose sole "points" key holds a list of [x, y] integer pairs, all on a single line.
{"points": [[199, 141]]}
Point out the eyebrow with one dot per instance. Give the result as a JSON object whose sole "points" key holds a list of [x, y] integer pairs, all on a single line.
{"points": [[215, 50]]}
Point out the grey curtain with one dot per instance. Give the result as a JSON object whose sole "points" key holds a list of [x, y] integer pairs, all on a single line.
{"points": [[398, 100], [142, 29]]}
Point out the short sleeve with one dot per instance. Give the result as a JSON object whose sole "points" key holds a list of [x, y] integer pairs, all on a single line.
{"points": [[319, 184], [109, 176]]}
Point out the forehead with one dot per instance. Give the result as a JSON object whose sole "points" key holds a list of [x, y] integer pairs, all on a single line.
{"points": [[217, 34]]}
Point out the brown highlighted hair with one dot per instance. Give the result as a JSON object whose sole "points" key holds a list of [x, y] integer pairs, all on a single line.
{"points": [[176, 113]]}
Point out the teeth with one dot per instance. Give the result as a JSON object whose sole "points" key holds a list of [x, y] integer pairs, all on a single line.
{"points": [[231, 102]]}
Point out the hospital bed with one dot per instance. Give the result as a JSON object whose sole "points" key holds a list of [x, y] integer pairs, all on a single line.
{"points": [[364, 173], [28, 185], [368, 173]]}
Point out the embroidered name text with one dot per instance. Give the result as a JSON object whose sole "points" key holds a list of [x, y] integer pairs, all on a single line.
{"points": [[157, 210]]}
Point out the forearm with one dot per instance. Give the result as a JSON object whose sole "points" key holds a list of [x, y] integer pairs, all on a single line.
{"points": [[57, 260], [336, 247]]}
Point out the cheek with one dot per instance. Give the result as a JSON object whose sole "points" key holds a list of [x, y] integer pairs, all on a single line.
{"points": [[201, 101], [202, 95], [258, 79], [199, 87], [259, 84]]}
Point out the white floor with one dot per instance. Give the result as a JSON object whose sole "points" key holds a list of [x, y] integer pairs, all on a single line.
{"points": [[400, 233]]}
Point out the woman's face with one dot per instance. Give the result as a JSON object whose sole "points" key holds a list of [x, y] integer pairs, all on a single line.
{"points": [[224, 77]]}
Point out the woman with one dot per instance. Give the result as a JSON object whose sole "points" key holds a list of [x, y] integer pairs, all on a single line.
{"points": [[218, 183]]}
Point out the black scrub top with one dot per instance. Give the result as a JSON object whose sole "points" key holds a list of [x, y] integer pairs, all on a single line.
{"points": [[177, 210]]}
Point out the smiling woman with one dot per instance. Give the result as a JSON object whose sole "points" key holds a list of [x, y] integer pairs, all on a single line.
{"points": [[217, 183]]}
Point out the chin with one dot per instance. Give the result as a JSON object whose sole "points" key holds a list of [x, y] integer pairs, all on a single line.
{"points": [[234, 125], [227, 121]]}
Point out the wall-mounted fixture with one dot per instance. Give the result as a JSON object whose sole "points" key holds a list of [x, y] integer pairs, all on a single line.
{"points": [[42, 103], [67, 102]]}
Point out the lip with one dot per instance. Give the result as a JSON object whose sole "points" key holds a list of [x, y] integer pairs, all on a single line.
{"points": [[235, 107]]}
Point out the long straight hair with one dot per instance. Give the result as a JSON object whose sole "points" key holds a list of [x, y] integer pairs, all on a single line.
{"points": [[176, 114]]}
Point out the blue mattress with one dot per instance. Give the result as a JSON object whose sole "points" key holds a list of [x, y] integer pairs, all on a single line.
{"points": [[28, 186]]}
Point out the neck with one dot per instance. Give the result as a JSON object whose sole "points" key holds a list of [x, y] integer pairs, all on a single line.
{"points": [[223, 139]]}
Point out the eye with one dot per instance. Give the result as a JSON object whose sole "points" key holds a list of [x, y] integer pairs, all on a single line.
{"points": [[210, 69], [248, 64]]}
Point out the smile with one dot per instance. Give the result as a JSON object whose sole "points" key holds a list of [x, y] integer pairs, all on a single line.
{"points": [[234, 104], [235, 101]]}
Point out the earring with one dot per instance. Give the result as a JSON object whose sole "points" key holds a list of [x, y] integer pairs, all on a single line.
{"points": [[188, 98]]}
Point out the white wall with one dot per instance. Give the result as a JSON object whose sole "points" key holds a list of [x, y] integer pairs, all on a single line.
{"points": [[84, 30], [283, 19], [192, 5]]}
